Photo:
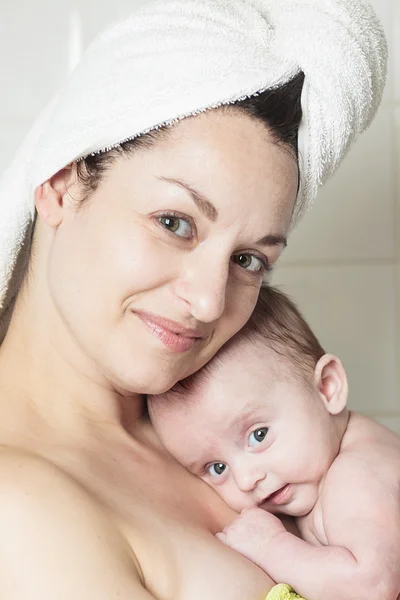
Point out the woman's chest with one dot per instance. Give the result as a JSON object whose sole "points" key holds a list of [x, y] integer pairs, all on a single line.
{"points": [[169, 519], [151, 482]]}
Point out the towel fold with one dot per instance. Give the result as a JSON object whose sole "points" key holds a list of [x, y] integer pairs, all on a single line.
{"points": [[175, 58]]}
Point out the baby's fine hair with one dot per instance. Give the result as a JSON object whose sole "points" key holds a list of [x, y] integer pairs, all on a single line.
{"points": [[277, 323]]}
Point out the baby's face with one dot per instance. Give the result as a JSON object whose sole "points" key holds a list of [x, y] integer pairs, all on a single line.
{"points": [[255, 433]]}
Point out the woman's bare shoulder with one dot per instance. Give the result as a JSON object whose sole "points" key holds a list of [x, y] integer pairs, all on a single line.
{"points": [[29, 482], [56, 540]]}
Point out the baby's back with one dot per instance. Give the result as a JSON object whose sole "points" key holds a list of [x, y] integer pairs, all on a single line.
{"points": [[366, 471], [358, 509], [370, 441]]}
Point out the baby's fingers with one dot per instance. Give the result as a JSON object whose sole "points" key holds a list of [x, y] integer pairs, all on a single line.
{"points": [[221, 537]]}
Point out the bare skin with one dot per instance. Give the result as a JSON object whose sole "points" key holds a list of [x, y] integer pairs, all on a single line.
{"points": [[91, 505], [148, 534], [350, 539], [293, 449]]}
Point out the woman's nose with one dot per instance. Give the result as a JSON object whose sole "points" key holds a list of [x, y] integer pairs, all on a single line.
{"points": [[203, 286]]}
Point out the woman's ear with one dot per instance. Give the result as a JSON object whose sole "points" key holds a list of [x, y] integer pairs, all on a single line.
{"points": [[331, 383], [50, 196]]}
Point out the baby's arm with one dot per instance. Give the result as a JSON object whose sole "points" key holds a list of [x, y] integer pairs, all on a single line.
{"points": [[362, 524]]}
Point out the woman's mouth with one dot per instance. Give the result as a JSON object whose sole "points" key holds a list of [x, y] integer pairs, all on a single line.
{"points": [[172, 334]]}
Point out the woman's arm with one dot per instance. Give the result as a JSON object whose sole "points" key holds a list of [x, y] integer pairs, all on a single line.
{"points": [[56, 542]]}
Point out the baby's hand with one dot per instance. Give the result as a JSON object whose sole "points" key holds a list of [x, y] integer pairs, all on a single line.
{"points": [[251, 533]]}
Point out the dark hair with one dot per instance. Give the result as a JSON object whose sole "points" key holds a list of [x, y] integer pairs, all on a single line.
{"points": [[278, 108]]}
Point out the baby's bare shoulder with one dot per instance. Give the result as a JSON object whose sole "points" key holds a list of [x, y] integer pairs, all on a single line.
{"points": [[360, 503], [368, 445], [364, 480]]}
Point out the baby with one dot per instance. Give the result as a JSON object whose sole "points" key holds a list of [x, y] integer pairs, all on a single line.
{"points": [[265, 423]]}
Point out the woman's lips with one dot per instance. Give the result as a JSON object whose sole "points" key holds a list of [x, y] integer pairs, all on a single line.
{"points": [[172, 334]]}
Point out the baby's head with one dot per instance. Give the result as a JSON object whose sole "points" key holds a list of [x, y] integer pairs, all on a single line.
{"points": [[263, 421]]}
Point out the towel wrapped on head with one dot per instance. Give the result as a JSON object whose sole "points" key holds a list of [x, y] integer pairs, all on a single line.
{"points": [[175, 58]]}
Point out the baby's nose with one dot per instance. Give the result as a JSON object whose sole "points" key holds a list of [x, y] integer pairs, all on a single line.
{"points": [[248, 479]]}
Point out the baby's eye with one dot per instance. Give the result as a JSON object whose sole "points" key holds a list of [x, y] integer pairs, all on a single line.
{"points": [[216, 469], [176, 225], [250, 262], [258, 436]]}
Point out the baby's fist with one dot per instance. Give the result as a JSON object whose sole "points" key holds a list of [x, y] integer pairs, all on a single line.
{"points": [[251, 533]]}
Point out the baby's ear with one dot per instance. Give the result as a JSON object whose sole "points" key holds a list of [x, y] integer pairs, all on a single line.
{"points": [[331, 383]]}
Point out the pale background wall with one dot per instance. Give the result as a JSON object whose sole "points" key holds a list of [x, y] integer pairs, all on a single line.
{"points": [[342, 264]]}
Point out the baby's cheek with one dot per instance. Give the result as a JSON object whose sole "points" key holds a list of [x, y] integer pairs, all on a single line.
{"points": [[231, 494], [221, 489]]}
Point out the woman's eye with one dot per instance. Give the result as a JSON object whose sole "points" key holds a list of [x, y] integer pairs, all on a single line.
{"points": [[250, 262], [216, 469], [176, 225], [258, 436]]}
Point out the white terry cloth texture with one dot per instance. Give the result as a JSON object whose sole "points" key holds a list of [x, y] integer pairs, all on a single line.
{"points": [[175, 58]]}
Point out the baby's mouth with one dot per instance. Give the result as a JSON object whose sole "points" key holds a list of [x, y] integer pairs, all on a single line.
{"points": [[279, 496]]}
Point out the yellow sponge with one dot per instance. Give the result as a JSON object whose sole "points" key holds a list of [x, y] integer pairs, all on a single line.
{"points": [[283, 592]]}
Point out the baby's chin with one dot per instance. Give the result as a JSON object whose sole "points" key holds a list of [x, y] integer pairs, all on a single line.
{"points": [[294, 511]]}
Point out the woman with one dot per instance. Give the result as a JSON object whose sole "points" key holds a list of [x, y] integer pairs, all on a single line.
{"points": [[146, 259]]}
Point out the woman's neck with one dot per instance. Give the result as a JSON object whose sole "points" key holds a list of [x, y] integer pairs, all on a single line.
{"points": [[46, 381]]}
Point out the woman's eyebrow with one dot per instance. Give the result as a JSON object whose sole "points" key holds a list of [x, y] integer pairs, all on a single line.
{"points": [[202, 203], [273, 240], [209, 210]]}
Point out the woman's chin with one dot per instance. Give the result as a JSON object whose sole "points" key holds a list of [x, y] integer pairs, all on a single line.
{"points": [[148, 370], [128, 382]]}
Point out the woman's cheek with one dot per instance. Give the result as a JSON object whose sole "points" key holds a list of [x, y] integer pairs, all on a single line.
{"points": [[142, 260], [240, 302]]}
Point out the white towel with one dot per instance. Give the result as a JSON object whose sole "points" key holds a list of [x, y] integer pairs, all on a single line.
{"points": [[174, 58]]}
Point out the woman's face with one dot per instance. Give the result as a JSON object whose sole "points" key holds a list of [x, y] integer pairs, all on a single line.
{"points": [[163, 264]]}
